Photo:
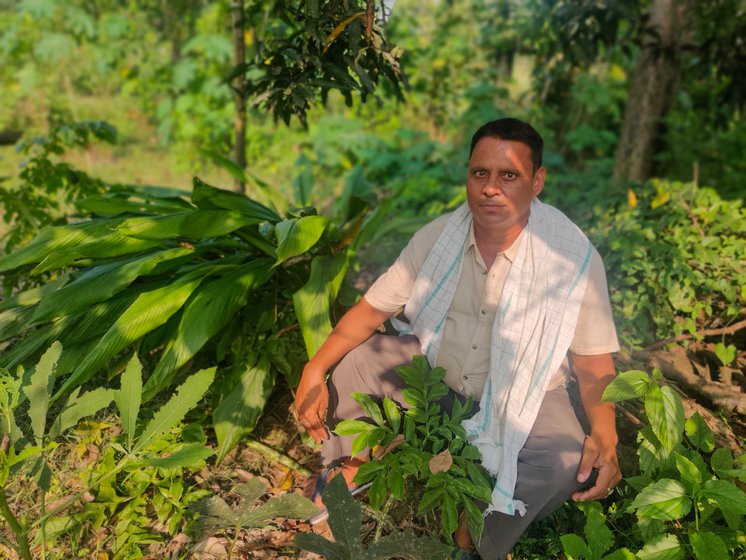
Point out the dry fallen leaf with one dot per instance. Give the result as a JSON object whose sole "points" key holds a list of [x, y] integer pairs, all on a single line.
{"points": [[441, 462], [379, 452]]}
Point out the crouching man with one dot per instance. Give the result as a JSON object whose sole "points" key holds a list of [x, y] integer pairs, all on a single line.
{"points": [[510, 297]]}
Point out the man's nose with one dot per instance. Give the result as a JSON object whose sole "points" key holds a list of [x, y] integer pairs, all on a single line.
{"points": [[491, 187]]}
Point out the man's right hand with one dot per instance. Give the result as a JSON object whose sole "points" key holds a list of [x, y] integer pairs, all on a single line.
{"points": [[311, 402]]}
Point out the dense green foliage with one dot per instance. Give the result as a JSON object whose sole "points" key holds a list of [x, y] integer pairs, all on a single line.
{"points": [[684, 502], [250, 285]]}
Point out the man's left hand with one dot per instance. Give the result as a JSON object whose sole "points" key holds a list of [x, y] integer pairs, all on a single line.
{"points": [[600, 455]]}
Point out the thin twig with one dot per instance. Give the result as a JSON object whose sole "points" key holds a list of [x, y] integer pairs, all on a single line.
{"points": [[705, 332], [278, 457], [634, 420]]}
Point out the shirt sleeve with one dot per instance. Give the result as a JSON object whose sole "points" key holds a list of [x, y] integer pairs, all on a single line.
{"points": [[390, 292], [595, 332]]}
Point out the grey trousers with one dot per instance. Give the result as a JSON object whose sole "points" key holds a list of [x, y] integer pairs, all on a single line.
{"points": [[547, 464]]}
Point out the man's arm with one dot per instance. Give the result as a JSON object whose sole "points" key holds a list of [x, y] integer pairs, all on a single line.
{"points": [[599, 450], [312, 395]]}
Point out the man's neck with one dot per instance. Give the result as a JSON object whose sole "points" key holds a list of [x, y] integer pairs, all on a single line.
{"points": [[493, 242]]}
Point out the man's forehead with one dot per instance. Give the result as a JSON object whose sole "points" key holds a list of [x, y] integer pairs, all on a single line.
{"points": [[493, 150]]}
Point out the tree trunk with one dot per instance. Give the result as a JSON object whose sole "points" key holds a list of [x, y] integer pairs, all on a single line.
{"points": [[652, 88], [239, 88]]}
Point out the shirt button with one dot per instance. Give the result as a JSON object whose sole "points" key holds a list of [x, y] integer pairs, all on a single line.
{"points": [[483, 312], [465, 378], [484, 273], [473, 346]]}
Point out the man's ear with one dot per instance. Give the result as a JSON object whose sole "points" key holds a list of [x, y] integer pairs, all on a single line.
{"points": [[538, 181]]}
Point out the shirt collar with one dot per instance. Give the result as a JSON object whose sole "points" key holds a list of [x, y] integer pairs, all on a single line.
{"points": [[509, 253]]}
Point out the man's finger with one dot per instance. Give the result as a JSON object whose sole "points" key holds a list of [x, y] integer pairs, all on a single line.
{"points": [[608, 477], [587, 460]]}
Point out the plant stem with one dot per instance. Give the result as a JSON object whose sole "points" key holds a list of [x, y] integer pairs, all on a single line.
{"points": [[18, 531], [278, 457], [382, 517]]}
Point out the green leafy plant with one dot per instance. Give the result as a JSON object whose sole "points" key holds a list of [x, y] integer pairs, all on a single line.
{"points": [[345, 521], [219, 278], [422, 443], [31, 450], [675, 258], [685, 500], [217, 515], [141, 468]]}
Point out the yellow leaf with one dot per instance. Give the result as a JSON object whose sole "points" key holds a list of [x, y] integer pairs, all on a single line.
{"points": [[660, 200], [441, 462], [341, 27], [631, 198], [287, 481]]}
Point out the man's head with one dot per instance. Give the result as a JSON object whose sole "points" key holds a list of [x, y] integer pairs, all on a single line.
{"points": [[515, 130]]}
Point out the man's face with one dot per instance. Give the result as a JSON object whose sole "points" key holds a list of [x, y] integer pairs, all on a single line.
{"points": [[501, 185]]}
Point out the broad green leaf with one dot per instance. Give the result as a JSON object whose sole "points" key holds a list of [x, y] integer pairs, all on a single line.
{"points": [[689, 472], [170, 414], [321, 546], [149, 311], [620, 554], [662, 547], [726, 496], [722, 462], [186, 456], [4, 469], [627, 385], [406, 544], [57, 240], [665, 499], [102, 282], [699, 433], [215, 514], [666, 414], [313, 301], [708, 546], [575, 547], [79, 407], [392, 413], [353, 427], [292, 506], [396, 483], [238, 412], [598, 535], [344, 517], [726, 354], [449, 514], [210, 309], [129, 398], [250, 491], [30, 297], [39, 389], [193, 225], [14, 321], [370, 407], [298, 235], [207, 197]]}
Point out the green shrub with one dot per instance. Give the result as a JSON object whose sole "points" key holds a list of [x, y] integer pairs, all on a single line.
{"points": [[675, 258], [684, 502]]}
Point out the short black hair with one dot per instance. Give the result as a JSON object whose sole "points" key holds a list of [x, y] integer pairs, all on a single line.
{"points": [[515, 130]]}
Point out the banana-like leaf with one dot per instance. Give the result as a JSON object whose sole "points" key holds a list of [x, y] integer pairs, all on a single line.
{"points": [[239, 411], [207, 197], [14, 321], [60, 239], [79, 407], [29, 298], [212, 307], [193, 225], [39, 389], [170, 414], [288, 505], [298, 235], [30, 345], [149, 311], [313, 301], [102, 282], [129, 398]]}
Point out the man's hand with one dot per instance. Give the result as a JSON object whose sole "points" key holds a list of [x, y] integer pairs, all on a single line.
{"points": [[599, 450], [600, 455], [311, 402]]}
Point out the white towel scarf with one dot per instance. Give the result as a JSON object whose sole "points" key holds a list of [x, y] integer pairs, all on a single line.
{"points": [[533, 329]]}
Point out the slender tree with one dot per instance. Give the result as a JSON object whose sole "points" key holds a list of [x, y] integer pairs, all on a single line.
{"points": [[239, 89]]}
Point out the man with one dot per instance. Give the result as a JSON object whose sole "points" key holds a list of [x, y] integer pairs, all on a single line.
{"points": [[509, 296]]}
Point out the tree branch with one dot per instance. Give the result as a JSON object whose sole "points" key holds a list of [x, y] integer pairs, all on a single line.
{"points": [[732, 329]]}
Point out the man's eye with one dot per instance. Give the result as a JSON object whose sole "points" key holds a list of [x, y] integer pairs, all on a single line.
{"points": [[509, 175], [480, 173]]}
